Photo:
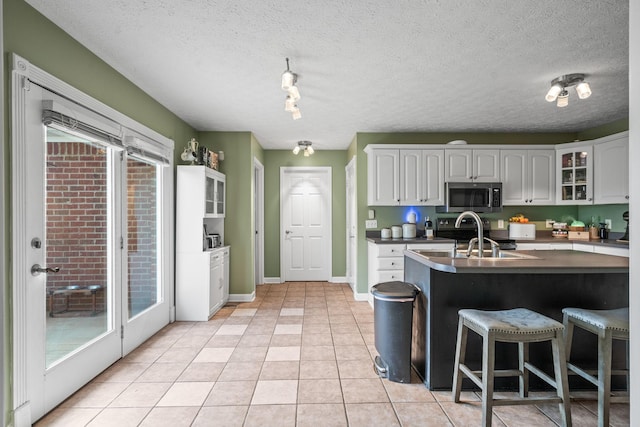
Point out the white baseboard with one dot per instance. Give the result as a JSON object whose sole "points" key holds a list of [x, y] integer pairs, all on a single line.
{"points": [[268, 280], [361, 296], [242, 297], [339, 279]]}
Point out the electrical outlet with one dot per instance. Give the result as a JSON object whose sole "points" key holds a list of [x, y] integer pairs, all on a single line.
{"points": [[371, 223], [608, 222], [549, 223], [501, 223]]}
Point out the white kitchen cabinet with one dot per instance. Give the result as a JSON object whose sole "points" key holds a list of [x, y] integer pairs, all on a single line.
{"points": [[574, 183], [611, 170], [544, 246], [204, 190], [467, 165], [386, 261], [226, 260], [405, 177], [528, 177], [421, 177], [385, 264], [202, 279], [383, 184]]}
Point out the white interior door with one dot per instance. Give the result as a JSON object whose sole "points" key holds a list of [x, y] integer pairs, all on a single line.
{"points": [[352, 224], [305, 242]]}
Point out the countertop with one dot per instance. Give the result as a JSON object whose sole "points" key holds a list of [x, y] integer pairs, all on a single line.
{"points": [[558, 261], [606, 242], [380, 241]]}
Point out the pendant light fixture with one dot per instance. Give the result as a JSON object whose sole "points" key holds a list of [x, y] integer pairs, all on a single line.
{"points": [[288, 83], [305, 147], [558, 90]]}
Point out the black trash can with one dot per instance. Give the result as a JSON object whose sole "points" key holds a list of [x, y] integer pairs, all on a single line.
{"points": [[393, 314]]}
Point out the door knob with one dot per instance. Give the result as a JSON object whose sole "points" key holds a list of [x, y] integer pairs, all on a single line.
{"points": [[37, 269]]}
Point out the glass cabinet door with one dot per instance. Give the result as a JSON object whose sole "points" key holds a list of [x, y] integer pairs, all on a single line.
{"points": [[575, 176], [220, 197], [210, 196]]}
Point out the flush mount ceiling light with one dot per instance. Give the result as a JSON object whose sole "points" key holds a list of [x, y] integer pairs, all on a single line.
{"points": [[558, 90], [289, 80], [305, 147]]}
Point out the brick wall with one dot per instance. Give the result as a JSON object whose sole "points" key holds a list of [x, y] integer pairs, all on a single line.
{"points": [[76, 214], [77, 226], [142, 236]]}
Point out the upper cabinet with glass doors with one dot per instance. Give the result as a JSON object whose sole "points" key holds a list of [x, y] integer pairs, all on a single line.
{"points": [[207, 192], [575, 175]]}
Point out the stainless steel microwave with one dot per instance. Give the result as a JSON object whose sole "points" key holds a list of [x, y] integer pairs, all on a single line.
{"points": [[472, 196]]}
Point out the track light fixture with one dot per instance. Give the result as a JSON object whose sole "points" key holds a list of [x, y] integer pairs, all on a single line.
{"points": [[305, 147], [558, 90], [289, 80]]}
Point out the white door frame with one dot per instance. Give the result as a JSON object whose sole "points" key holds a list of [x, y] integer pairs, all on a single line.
{"points": [[352, 223], [326, 171], [258, 170], [3, 240]]}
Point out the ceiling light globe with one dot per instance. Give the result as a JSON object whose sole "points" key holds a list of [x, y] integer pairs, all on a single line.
{"points": [[289, 104], [296, 150], [294, 93], [310, 149], [287, 80], [296, 114], [563, 99], [553, 93], [583, 90], [306, 152]]}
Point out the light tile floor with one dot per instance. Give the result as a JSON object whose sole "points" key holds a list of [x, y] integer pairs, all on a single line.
{"points": [[299, 355]]}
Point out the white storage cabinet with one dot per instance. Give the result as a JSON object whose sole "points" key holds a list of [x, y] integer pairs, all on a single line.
{"points": [[528, 177], [202, 276], [467, 165], [611, 169]]}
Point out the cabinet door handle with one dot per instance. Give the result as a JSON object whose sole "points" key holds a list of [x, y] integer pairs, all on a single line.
{"points": [[626, 197]]}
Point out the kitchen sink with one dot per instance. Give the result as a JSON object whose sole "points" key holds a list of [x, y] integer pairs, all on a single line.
{"points": [[502, 255]]}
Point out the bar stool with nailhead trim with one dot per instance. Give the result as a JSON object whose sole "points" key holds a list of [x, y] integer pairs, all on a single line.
{"points": [[608, 325], [517, 325]]}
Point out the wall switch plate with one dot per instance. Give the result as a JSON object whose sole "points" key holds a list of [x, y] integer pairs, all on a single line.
{"points": [[549, 223], [372, 214], [608, 222], [501, 223], [371, 223]]}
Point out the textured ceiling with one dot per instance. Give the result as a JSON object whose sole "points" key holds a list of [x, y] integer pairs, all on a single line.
{"points": [[364, 65]]}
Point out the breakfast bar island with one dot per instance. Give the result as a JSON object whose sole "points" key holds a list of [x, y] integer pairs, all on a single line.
{"points": [[543, 281]]}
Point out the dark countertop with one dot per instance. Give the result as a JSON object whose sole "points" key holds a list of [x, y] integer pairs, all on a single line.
{"points": [[554, 262], [380, 241]]}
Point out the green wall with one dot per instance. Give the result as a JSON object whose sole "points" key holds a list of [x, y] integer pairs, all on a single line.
{"points": [[239, 148], [273, 161], [30, 35]]}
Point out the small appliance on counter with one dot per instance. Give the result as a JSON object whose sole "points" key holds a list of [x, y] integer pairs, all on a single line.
{"points": [[625, 238], [520, 231]]}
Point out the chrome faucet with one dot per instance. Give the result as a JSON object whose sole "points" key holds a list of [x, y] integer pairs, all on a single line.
{"points": [[475, 216], [495, 247]]}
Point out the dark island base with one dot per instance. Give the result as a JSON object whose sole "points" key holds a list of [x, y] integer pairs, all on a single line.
{"points": [[443, 294]]}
